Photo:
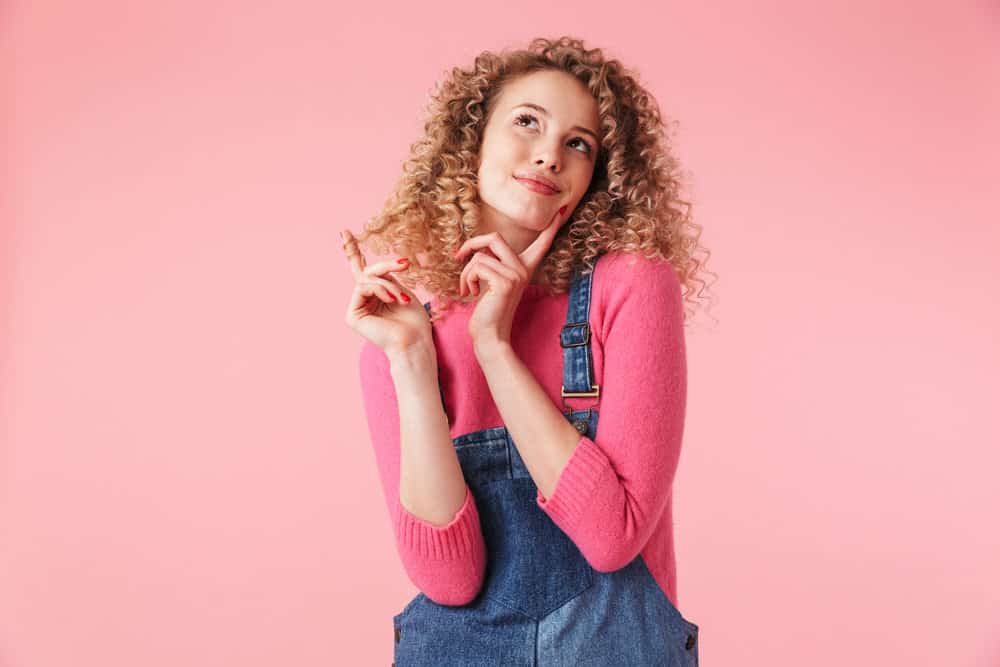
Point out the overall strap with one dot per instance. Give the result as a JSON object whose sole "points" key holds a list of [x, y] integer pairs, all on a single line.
{"points": [[578, 363]]}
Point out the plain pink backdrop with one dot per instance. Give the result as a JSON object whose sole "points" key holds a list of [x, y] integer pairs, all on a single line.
{"points": [[186, 472]]}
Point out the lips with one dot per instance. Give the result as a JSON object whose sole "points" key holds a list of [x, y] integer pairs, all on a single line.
{"points": [[536, 186]]}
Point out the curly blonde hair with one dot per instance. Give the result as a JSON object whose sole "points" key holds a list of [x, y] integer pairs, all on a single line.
{"points": [[633, 203]]}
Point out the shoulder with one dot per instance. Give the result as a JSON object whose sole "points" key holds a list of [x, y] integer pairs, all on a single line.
{"points": [[620, 273], [638, 295]]}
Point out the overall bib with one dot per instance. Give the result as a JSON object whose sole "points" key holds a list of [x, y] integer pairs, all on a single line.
{"points": [[542, 604]]}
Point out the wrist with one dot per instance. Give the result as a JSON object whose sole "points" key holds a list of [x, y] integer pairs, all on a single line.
{"points": [[488, 348], [416, 356]]}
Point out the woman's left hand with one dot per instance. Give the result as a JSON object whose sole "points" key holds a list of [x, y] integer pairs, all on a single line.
{"points": [[506, 273]]}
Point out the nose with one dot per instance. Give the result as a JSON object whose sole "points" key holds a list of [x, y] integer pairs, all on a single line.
{"points": [[547, 155]]}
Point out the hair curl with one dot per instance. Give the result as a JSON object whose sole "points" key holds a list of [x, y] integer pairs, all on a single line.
{"points": [[633, 203]]}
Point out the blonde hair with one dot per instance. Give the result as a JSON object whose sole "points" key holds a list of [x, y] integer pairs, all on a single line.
{"points": [[633, 203]]}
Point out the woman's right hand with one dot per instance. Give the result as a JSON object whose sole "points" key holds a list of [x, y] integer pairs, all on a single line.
{"points": [[380, 309]]}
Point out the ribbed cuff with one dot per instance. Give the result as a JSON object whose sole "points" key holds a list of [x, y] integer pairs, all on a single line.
{"points": [[453, 541], [576, 484]]}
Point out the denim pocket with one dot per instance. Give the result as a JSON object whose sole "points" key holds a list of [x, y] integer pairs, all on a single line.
{"points": [[408, 608], [400, 628], [683, 631]]}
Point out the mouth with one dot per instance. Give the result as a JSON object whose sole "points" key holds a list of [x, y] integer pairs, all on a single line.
{"points": [[536, 186]]}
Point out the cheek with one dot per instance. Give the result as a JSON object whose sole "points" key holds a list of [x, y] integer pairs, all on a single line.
{"points": [[492, 161], [490, 177], [491, 183], [576, 190], [510, 147], [582, 182]]}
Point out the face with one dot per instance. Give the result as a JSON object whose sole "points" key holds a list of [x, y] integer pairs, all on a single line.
{"points": [[544, 124]]}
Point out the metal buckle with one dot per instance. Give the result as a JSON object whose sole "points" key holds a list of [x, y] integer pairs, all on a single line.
{"points": [[586, 338], [595, 392]]}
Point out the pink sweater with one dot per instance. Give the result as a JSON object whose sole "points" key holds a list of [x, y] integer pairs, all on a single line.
{"points": [[613, 498]]}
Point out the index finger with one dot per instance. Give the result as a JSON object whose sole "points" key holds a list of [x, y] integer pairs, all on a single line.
{"points": [[540, 245], [495, 243], [354, 256]]}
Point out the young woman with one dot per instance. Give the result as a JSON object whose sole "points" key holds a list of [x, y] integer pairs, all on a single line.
{"points": [[527, 420]]}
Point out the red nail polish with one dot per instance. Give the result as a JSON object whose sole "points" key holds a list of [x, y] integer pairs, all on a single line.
{"points": [[563, 209], [402, 260], [405, 298]]}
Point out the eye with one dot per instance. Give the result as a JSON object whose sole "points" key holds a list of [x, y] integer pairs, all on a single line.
{"points": [[523, 117], [584, 144], [527, 116]]}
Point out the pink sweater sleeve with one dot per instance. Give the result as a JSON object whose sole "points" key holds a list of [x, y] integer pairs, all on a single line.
{"points": [[447, 563], [612, 492]]}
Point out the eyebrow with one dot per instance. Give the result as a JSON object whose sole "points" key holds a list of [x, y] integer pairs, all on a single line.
{"points": [[575, 127]]}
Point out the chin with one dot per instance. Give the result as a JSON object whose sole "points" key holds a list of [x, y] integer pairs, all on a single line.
{"points": [[534, 222], [523, 212], [532, 217]]}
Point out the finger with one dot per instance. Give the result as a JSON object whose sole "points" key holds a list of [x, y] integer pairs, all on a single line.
{"points": [[361, 296], [354, 255], [495, 243], [483, 259], [463, 279], [381, 268], [471, 280], [466, 286], [478, 258], [397, 286], [531, 255], [396, 291], [495, 282], [378, 290]]}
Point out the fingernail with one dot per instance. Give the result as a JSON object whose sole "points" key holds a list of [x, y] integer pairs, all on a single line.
{"points": [[563, 209], [402, 260], [405, 298]]}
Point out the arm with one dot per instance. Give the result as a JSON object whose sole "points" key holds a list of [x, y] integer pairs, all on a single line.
{"points": [[545, 440], [607, 494], [433, 513]]}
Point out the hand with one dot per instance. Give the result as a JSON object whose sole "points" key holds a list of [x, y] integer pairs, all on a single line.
{"points": [[506, 274], [380, 309]]}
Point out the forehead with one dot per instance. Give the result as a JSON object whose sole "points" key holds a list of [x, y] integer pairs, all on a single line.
{"points": [[560, 93]]}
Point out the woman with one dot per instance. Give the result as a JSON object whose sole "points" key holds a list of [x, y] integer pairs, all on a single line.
{"points": [[527, 420]]}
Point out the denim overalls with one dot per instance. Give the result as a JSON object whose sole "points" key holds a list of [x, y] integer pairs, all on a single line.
{"points": [[542, 604]]}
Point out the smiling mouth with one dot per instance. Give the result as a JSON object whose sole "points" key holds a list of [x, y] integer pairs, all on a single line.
{"points": [[535, 186]]}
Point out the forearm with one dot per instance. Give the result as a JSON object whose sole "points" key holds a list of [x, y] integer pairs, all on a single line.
{"points": [[431, 484], [545, 439]]}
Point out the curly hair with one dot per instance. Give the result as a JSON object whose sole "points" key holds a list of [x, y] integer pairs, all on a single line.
{"points": [[633, 203]]}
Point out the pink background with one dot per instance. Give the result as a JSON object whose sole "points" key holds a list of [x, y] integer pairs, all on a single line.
{"points": [[186, 472]]}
